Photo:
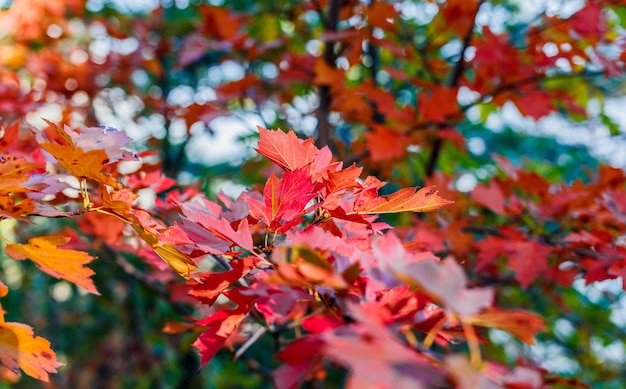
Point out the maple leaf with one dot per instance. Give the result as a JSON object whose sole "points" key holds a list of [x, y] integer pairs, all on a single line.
{"points": [[21, 349], [405, 200], [221, 325], [528, 259], [343, 179], [286, 149], [441, 103], [385, 144], [444, 281], [375, 357], [301, 266], [14, 173], [284, 200], [9, 208], [299, 356], [326, 75], [9, 136], [85, 154], [535, 104], [223, 229], [59, 263], [490, 196], [521, 324], [181, 263], [207, 286]]}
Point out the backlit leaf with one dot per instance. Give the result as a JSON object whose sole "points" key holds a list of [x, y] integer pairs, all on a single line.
{"points": [[59, 263], [405, 200]]}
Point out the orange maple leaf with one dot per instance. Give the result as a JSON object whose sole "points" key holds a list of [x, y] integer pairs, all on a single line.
{"points": [[14, 173], [404, 200], [82, 164], [21, 349], [385, 144], [326, 75], [521, 324], [59, 263]]}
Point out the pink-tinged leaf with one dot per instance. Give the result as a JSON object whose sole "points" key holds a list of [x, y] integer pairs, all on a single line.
{"points": [[108, 139], [375, 356], [224, 230], [523, 377], [286, 149], [221, 325], [587, 238], [491, 197], [404, 200], [207, 286], [444, 281], [467, 376], [322, 164], [202, 238]]}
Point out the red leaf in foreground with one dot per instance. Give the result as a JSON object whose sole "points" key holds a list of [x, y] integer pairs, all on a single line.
{"points": [[299, 357], [223, 230], [207, 286], [221, 325], [284, 200]]}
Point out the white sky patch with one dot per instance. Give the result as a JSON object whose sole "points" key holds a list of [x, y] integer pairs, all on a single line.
{"points": [[223, 145]]}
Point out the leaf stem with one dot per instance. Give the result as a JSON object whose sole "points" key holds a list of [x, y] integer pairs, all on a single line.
{"points": [[472, 342]]}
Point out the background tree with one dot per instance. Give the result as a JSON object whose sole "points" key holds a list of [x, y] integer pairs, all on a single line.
{"points": [[484, 99]]}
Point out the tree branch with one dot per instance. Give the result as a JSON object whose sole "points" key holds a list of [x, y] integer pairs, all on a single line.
{"points": [[457, 72], [323, 125], [157, 289]]}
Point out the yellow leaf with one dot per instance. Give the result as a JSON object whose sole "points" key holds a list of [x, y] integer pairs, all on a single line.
{"points": [[181, 263], [59, 263]]}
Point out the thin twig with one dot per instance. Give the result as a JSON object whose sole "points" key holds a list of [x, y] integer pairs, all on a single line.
{"points": [[157, 289], [250, 342], [457, 72]]}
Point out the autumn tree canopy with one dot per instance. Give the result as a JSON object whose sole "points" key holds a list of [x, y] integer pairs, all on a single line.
{"points": [[325, 193]]}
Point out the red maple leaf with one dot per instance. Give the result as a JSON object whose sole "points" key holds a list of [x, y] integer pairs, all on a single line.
{"points": [[284, 200], [207, 286], [221, 325], [286, 149]]}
